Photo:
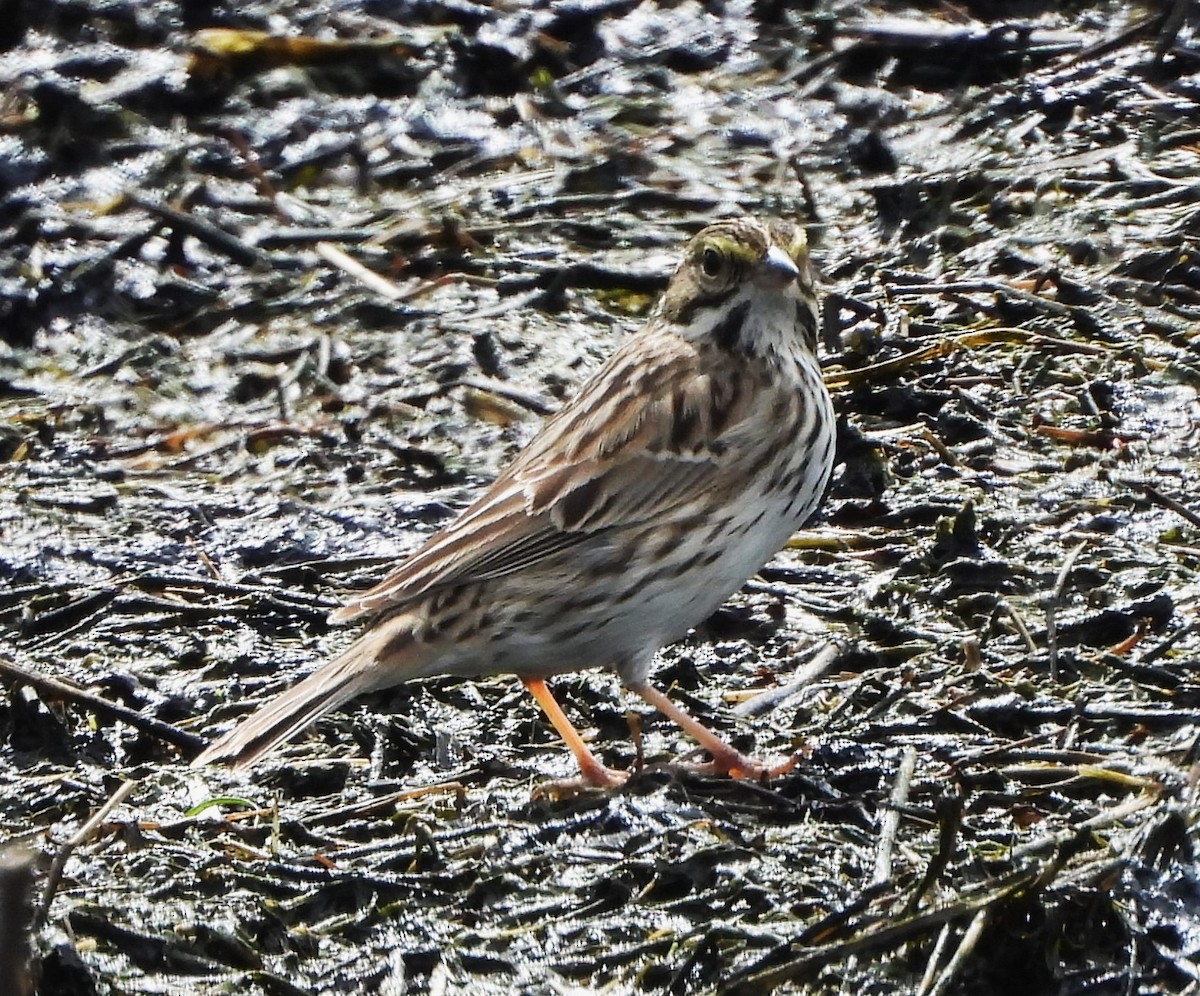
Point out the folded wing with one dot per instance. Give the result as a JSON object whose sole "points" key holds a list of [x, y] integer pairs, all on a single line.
{"points": [[646, 438]]}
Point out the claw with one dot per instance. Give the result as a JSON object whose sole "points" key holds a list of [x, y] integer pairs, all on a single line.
{"points": [[592, 781], [725, 760], [738, 766]]}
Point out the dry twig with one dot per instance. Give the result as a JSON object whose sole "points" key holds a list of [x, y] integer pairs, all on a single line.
{"points": [[54, 688], [67, 849]]}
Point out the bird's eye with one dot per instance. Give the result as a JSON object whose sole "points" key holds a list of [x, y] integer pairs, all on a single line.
{"points": [[711, 262]]}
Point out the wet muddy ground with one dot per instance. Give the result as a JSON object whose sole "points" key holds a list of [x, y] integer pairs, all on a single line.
{"points": [[214, 426]]}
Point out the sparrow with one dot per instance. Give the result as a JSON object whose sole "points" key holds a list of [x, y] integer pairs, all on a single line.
{"points": [[677, 470]]}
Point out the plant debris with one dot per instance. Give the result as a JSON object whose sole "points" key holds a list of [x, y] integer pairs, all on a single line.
{"points": [[285, 284]]}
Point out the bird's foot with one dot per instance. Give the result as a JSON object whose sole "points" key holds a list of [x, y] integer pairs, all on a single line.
{"points": [[593, 775], [593, 779], [730, 763], [726, 761]]}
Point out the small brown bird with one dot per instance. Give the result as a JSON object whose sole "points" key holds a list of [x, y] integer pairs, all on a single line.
{"points": [[678, 469]]}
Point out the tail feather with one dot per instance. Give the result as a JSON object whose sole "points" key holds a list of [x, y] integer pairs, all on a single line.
{"points": [[377, 659]]}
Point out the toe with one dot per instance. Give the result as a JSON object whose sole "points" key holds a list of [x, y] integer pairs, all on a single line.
{"points": [[593, 780], [733, 764]]}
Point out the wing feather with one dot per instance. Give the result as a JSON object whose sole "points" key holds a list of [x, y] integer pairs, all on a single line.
{"points": [[642, 439]]}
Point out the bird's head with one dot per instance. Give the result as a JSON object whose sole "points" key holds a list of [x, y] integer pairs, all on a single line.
{"points": [[746, 285]]}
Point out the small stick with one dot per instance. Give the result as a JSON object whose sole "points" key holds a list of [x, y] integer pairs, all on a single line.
{"points": [[970, 938], [1155, 652], [65, 852], [949, 813], [891, 817], [54, 688], [767, 978], [1166, 501], [1105, 818], [1168, 30], [942, 449], [934, 958], [984, 286], [536, 403], [1060, 586], [216, 238], [774, 697], [375, 281], [839, 378], [1021, 628]]}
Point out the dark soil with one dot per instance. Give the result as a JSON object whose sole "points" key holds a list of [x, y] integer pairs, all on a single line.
{"points": [[211, 429]]}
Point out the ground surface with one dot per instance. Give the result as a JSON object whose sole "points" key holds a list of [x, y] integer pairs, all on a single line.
{"points": [[985, 648]]}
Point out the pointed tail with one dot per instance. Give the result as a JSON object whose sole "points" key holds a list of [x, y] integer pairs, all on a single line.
{"points": [[383, 656]]}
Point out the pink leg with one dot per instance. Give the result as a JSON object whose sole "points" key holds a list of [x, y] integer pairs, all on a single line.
{"points": [[725, 760], [594, 773]]}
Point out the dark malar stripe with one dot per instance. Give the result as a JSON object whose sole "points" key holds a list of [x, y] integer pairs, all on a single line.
{"points": [[727, 333]]}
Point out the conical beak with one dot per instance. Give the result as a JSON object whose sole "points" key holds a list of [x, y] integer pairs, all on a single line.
{"points": [[775, 270]]}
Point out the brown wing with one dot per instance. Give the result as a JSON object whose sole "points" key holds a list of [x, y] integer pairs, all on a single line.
{"points": [[642, 438]]}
